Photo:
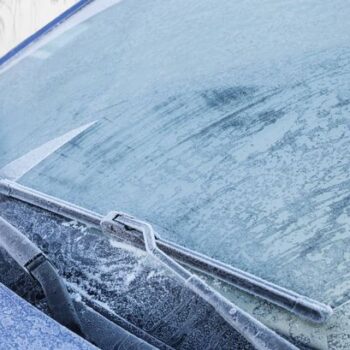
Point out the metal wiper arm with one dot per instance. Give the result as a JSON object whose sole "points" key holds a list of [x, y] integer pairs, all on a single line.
{"points": [[295, 303], [255, 332]]}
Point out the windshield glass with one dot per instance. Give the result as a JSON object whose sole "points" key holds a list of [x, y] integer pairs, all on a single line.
{"points": [[225, 125]]}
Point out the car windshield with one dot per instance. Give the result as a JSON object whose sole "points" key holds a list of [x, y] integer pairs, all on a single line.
{"points": [[225, 125]]}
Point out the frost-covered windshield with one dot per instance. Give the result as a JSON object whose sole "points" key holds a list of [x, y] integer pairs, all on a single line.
{"points": [[224, 124]]}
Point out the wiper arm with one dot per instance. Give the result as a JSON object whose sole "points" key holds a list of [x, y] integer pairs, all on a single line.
{"points": [[255, 332]]}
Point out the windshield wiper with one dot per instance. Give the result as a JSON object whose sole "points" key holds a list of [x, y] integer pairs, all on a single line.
{"points": [[299, 305], [255, 332], [35, 263]]}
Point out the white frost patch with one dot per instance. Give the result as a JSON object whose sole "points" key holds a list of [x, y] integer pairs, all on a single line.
{"points": [[41, 54], [150, 275], [131, 277], [128, 248], [77, 297], [74, 224], [84, 294], [232, 311], [20, 166], [263, 140], [344, 219]]}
